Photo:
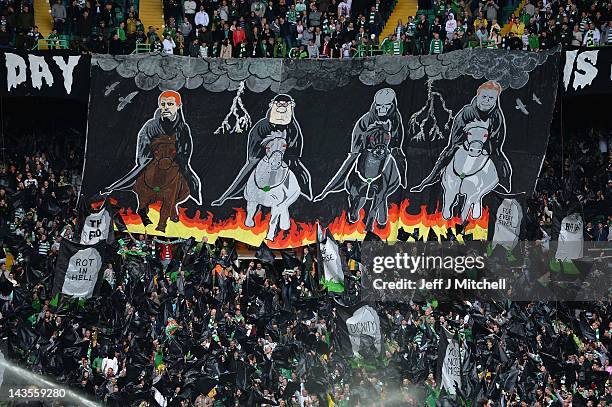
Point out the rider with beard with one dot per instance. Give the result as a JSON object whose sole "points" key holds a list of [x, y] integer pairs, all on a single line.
{"points": [[484, 106], [168, 120]]}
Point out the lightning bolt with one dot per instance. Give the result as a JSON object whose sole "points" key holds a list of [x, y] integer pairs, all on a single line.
{"points": [[241, 117], [427, 115]]}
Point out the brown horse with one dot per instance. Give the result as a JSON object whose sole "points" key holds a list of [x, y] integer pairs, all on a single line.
{"points": [[162, 181]]}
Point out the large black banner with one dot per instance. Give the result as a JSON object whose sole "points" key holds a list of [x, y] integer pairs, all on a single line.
{"points": [[263, 149], [52, 73]]}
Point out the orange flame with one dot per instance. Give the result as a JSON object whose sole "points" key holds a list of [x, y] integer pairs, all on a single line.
{"points": [[301, 233]]}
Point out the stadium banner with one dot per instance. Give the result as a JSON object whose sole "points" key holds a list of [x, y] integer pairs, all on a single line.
{"points": [[587, 71], [51, 73], [78, 270], [261, 149]]}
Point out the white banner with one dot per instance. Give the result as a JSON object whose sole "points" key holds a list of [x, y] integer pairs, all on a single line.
{"points": [[96, 227], [571, 239], [363, 324], [82, 273]]}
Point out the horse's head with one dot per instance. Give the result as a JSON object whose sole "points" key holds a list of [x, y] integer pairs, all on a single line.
{"points": [[476, 133], [275, 148], [378, 138], [164, 151]]}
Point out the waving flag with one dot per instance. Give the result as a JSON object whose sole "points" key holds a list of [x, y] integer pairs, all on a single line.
{"points": [[330, 261]]}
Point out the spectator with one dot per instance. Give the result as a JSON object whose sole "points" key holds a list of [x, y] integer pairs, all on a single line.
{"points": [[189, 9], [480, 21], [5, 38], [592, 36], [25, 19], [576, 36], [491, 10], [115, 45], [437, 45], [58, 13], [451, 25], [201, 18], [186, 27], [226, 49]]}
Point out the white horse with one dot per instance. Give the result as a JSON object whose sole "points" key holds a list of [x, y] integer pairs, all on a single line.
{"points": [[471, 173], [272, 184]]}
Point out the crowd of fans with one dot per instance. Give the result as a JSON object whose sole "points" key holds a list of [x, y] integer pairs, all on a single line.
{"points": [[302, 29], [233, 333]]}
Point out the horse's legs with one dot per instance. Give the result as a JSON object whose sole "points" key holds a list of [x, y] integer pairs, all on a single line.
{"points": [[275, 214], [164, 214], [448, 200], [356, 201], [251, 212], [467, 205], [284, 220], [477, 187], [390, 183]]}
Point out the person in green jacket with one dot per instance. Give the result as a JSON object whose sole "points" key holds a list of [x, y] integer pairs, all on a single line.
{"points": [[533, 40], [391, 46], [302, 53], [121, 31], [280, 49], [53, 39]]}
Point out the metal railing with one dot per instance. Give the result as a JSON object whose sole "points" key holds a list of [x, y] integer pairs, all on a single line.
{"points": [[142, 48], [47, 43]]}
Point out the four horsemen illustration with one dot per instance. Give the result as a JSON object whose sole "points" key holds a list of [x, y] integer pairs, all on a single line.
{"points": [[473, 163], [162, 170], [274, 176]]}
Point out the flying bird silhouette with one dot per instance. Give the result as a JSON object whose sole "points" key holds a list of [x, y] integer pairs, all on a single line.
{"points": [[536, 99], [124, 101], [110, 88], [521, 106]]}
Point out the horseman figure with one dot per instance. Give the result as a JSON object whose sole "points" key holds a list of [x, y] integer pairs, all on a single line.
{"points": [[371, 172], [473, 163], [167, 122], [273, 174]]}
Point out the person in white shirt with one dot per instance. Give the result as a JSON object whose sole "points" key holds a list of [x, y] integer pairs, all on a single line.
{"points": [[344, 9], [30, 181], [169, 45], [201, 17], [109, 362], [451, 25]]}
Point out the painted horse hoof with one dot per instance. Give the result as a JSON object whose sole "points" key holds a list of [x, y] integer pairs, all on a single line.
{"points": [[381, 219], [161, 228], [352, 218], [446, 214], [174, 218]]}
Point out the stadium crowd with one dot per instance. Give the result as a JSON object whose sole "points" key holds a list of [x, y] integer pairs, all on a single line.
{"points": [[317, 29], [202, 329]]}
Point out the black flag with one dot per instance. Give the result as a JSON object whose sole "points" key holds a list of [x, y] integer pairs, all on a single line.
{"points": [[290, 259], [372, 237], [264, 254]]}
